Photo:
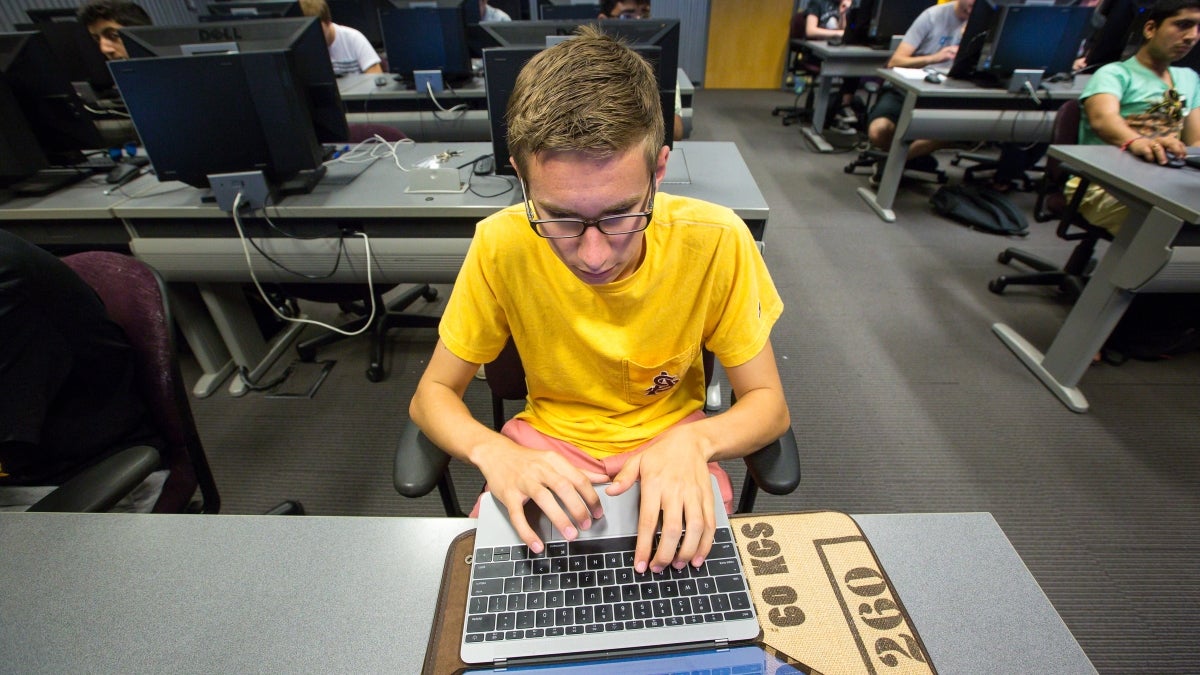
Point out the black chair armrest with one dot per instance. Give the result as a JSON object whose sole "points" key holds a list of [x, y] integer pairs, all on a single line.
{"points": [[100, 486], [419, 463], [776, 468]]}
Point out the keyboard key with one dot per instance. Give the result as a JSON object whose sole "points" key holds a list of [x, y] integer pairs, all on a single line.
{"points": [[493, 570], [568, 580], [516, 603], [723, 550], [550, 582], [720, 602], [643, 610], [520, 552], [614, 626], [673, 621], [627, 559], [721, 567], [506, 621], [574, 630], [730, 584], [544, 618], [649, 591], [706, 585], [593, 596], [583, 614], [681, 606], [483, 623], [604, 613], [642, 577], [629, 593], [556, 549], [487, 586], [713, 618], [595, 561], [525, 619], [668, 589], [587, 579], [538, 601], [492, 637], [577, 563], [555, 631], [541, 566], [514, 634], [681, 573], [605, 545], [654, 623], [558, 564], [722, 535], [738, 615], [500, 553], [693, 618], [497, 603], [477, 605], [564, 616], [623, 611], [612, 594], [512, 585], [701, 605], [624, 576], [613, 560], [687, 587], [574, 597], [475, 637], [483, 555], [554, 599], [606, 577], [535, 633], [523, 567], [635, 625], [739, 601], [530, 584], [662, 608], [595, 628]]}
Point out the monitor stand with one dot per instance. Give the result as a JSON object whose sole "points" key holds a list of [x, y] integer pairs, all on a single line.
{"points": [[302, 183], [46, 181]]}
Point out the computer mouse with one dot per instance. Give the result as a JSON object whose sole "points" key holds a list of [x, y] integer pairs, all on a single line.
{"points": [[1175, 162], [934, 78], [834, 42], [381, 80], [484, 166]]}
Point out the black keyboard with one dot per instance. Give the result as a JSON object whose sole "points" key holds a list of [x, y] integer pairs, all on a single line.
{"points": [[589, 586]]}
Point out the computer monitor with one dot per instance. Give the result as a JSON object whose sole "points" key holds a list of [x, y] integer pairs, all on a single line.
{"points": [[420, 37], [662, 33], [1000, 38], [553, 10], [74, 47], [43, 124], [234, 96], [1121, 34], [251, 9], [501, 65], [361, 15], [873, 22]]}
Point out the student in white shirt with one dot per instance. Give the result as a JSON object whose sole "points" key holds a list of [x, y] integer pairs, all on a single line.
{"points": [[489, 13], [349, 50]]}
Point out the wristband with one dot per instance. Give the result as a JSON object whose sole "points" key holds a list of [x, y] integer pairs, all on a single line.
{"points": [[1126, 144]]}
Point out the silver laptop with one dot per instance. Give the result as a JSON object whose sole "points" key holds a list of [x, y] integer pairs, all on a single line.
{"points": [[583, 597]]}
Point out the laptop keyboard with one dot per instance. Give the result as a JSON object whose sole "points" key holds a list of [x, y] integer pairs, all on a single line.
{"points": [[590, 586]]}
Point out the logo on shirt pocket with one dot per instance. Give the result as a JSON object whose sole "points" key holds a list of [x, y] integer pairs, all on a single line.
{"points": [[646, 384]]}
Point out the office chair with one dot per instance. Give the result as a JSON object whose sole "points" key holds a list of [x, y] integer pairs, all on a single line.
{"points": [[801, 68], [1052, 204], [135, 298], [356, 298], [984, 162], [420, 465]]}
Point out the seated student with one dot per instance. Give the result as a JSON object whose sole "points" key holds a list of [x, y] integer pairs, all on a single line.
{"points": [[1143, 105], [489, 13], [104, 17], [826, 20], [610, 290], [67, 373], [349, 50], [932, 40]]}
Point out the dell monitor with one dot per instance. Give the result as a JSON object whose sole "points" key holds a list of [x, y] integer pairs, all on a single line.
{"points": [[230, 97], [419, 37], [501, 65], [361, 15], [44, 129], [251, 9], [1002, 38], [1121, 34], [553, 10], [873, 22]]}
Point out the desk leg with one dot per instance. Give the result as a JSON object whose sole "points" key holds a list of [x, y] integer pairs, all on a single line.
{"points": [[238, 328], [1132, 259], [202, 337], [820, 110], [884, 196]]}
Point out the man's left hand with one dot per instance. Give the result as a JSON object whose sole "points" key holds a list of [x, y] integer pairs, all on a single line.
{"points": [[675, 482]]}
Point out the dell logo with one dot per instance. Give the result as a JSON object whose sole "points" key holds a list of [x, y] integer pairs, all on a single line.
{"points": [[224, 34]]}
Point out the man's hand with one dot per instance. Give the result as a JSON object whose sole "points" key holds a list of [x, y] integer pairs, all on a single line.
{"points": [[946, 53], [1156, 149], [675, 482], [516, 474]]}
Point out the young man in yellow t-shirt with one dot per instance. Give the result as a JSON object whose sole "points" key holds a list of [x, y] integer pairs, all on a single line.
{"points": [[610, 290]]}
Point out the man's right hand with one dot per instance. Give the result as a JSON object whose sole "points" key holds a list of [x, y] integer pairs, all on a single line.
{"points": [[1156, 149], [946, 53], [517, 474]]}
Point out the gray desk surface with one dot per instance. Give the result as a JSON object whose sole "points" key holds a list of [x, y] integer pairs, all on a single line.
{"points": [[1141, 258], [157, 593], [957, 110]]}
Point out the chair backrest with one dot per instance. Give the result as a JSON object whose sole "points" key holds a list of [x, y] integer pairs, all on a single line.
{"points": [[798, 28], [1065, 132], [361, 131], [136, 300]]}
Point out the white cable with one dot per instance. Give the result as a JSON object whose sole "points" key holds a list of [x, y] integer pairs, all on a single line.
{"points": [[237, 222], [95, 111], [372, 149], [460, 107]]}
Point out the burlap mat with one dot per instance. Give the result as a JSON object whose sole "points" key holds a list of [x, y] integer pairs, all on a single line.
{"points": [[822, 598]]}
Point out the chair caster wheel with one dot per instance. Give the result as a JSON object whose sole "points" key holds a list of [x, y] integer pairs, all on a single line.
{"points": [[375, 374], [849, 168], [1004, 258], [998, 285], [306, 354], [430, 295]]}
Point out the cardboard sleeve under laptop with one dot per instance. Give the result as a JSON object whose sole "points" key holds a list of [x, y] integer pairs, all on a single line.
{"points": [[821, 604]]}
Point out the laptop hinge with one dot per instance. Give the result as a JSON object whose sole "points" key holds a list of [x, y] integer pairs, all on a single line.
{"points": [[721, 644], [500, 664]]}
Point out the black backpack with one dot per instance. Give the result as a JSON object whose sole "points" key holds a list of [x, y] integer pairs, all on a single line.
{"points": [[1156, 326], [981, 208]]}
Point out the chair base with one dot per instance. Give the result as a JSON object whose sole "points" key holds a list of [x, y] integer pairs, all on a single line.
{"points": [[1070, 278], [388, 316]]}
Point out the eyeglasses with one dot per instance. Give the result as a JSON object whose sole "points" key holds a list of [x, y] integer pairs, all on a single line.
{"points": [[109, 34], [569, 228]]}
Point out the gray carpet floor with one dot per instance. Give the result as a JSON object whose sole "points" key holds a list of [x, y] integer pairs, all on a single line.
{"points": [[902, 401]]}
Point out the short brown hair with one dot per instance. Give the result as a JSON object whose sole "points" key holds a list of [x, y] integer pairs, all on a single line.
{"points": [[589, 93], [317, 8]]}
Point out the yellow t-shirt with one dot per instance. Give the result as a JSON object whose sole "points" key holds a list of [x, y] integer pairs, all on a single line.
{"points": [[610, 367]]}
